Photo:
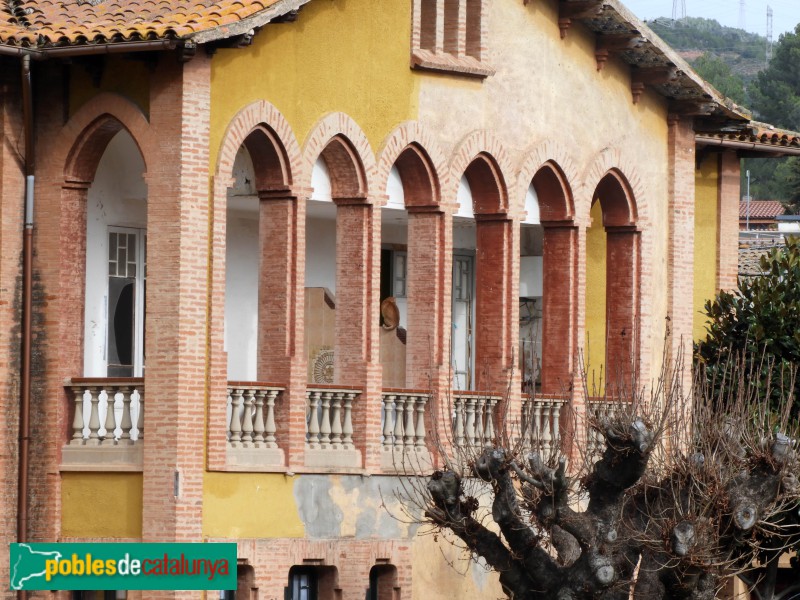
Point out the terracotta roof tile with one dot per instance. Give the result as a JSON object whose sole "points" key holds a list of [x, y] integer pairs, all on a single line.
{"points": [[761, 209], [40, 23], [750, 253]]}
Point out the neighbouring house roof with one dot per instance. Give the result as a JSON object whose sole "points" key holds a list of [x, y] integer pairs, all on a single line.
{"points": [[761, 209], [751, 251], [755, 137], [39, 24]]}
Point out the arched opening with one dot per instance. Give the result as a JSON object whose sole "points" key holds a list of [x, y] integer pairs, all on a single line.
{"points": [[383, 583], [612, 287], [116, 259], [482, 263], [307, 582], [548, 270], [408, 270]]}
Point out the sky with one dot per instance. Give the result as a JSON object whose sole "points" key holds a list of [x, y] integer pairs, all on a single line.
{"points": [[785, 13]]}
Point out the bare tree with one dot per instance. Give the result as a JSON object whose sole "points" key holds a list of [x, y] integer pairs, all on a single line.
{"points": [[656, 496]]}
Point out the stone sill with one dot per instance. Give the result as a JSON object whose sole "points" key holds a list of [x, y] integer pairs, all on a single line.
{"points": [[406, 462], [448, 63], [102, 458]]}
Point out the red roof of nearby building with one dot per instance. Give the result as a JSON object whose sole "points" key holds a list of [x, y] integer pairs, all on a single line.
{"points": [[761, 209], [38, 23]]}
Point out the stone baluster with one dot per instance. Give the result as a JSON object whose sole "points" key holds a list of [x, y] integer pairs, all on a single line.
{"points": [[536, 425], [94, 416], [313, 418], [140, 417], [325, 423], [110, 423], [481, 409], [547, 436], [126, 424], [388, 407], [459, 421], [469, 421], [247, 418], [269, 422], [419, 431], [488, 430], [228, 413], [347, 427], [77, 421], [237, 408], [337, 400], [399, 402], [557, 406], [258, 418], [408, 438]]}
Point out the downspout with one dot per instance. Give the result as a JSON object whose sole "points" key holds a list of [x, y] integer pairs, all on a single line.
{"points": [[27, 294]]}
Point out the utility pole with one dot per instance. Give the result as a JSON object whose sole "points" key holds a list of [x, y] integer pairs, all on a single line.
{"points": [[678, 9], [747, 226], [769, 34], [742, 15]]}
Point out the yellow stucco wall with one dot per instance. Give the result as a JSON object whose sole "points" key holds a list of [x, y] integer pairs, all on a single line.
{"points": [[340, 55], [101, 505], [706, 234], [595, 355], [250, 505], [129, 78]]}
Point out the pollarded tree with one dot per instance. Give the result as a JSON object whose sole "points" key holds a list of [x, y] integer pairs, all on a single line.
{"points": [[660, 501]]}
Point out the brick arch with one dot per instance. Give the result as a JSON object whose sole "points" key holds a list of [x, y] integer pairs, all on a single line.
{"points": [[421, 163], [617, 200], [272, 145], [552, 171], [612, 160], [83, 140], [485, 156], [346, 150]]}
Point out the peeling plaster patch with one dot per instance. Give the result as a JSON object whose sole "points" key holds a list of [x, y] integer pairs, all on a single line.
{"points": [[349, 500], [320, 515], [480, 571]]}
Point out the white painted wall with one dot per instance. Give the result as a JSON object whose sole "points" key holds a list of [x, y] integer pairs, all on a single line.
{"points": [[395, 191], [321, 253], [117, 197], [532, 207], [464, 198], [241, 288]]}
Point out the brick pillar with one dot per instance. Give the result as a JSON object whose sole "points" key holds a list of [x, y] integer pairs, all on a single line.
{"points": [[429, 266], [178, 302], [357, 350], [281, 359], [622, 293], [560, 309], [497, 307], [681, 244], [729, 183], [12, 187]]}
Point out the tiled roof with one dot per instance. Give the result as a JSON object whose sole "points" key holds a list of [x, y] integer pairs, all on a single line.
{"points": [[751, 251], [756, 136], [42, 23], [761, 209]]}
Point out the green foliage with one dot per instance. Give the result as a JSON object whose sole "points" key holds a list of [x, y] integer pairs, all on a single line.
{"points": [[775, 92], [718, 73], [757, 327]]}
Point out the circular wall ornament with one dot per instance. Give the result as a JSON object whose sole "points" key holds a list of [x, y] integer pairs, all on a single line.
{"points": [[323, 366]]}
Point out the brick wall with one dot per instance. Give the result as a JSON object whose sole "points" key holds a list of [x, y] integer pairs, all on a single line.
{"points": [[728, 243]]}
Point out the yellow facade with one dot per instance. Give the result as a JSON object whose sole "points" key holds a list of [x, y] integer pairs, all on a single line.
{"points": [[101, 505], [595, 355], [706, 234]]}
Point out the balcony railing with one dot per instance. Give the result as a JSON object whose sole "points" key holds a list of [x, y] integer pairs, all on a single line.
{"points": [[251, 431], [107, 422], [541, 423], [598, 409], [403, 430], [473, 418], [329, 427]]}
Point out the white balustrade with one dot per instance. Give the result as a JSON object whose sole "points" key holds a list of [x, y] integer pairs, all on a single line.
{"points": [[404, 421], [105, 410], [250, 415], [473, 419], [329, 419], [541, 423]]}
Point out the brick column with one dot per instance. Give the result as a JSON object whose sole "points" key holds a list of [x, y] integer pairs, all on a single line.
{"points": [[281, 359], [178, 297], [622, 301], [729, 184], [497, 304], [681, 243], [357, 350], [12, 189], [560, 309], [430, 262]]}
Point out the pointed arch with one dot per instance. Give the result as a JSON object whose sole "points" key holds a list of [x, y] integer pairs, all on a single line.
{"points": [[483, 160]]}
